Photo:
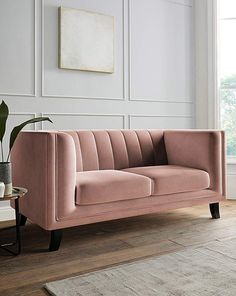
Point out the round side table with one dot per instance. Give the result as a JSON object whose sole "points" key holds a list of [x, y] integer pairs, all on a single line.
{"points": [[17, 193]]}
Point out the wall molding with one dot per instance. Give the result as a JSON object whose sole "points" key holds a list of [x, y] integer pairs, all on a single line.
{"points": [[188, 3], [86, 114], [129, 48], [44, 94], [126, 57], [130, 116], [212, 55], [163, 101], [25, 113], [35, 63], [231, 186]]}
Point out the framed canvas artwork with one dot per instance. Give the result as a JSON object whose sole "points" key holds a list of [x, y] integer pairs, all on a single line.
{"points": [[86, 40]]}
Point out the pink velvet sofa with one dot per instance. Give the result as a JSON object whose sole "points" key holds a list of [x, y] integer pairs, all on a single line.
{"points": [[82, 177]]}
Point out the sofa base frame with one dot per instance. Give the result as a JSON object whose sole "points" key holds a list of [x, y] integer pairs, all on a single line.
{"points": [[56, 235]]}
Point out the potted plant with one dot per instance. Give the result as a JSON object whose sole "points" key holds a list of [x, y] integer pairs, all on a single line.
{"points": [[5, 164]]}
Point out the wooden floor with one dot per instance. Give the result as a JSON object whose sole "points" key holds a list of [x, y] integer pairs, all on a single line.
{"points": [[92, 247]]}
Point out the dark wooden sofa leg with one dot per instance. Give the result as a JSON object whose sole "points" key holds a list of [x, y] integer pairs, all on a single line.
{"points": [[215, 210], [23, 220], [55, 241]]}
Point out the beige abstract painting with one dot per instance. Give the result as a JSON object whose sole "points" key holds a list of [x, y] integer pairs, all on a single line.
{"points": [[86, 40]]}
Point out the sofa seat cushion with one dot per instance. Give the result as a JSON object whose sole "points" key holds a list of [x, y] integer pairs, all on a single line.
{"points": [[95, 187], [168, 179]]}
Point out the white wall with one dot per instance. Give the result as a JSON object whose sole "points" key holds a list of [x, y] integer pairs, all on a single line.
{"points": [[153, 82]]}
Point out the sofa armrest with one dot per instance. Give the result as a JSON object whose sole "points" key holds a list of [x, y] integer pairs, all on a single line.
{"points": [[45, 163], [201, 149]]}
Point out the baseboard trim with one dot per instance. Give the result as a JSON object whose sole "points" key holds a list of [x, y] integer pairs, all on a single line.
{"points": [[231, 186], [7, 213]]}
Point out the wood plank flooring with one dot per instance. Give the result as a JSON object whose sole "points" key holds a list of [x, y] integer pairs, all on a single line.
{"points": [[92, 247]]}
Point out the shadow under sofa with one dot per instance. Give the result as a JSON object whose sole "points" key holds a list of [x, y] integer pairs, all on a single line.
{"points": [[82, 177]]}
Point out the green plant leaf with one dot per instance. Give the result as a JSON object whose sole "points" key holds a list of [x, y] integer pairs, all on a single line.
{"points": [[18, 128], [4, 111]]}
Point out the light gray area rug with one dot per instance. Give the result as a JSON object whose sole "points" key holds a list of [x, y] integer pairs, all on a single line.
{"points": [[209, 270]]}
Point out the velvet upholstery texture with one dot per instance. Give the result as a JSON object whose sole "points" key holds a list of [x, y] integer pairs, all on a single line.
{"points": [[80, 177], [118, 149], [173, 179], [202, 150], [94, 187]]}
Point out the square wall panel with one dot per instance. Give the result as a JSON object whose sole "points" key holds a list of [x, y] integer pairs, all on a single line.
{"points": [[73, 121], [81, 84], [17, 50], [161, 50], [160, 122]]}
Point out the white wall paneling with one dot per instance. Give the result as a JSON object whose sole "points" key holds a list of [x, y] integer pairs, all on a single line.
{"points": [[163, 122], [18, 48], [161, 98], [161, 46], [63, 121]]}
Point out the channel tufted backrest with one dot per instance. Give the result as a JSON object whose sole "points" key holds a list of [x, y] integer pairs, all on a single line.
{"points": [[118, 149]]}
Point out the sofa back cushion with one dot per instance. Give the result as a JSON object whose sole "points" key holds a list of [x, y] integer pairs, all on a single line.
{"points": [[118, 149]]}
